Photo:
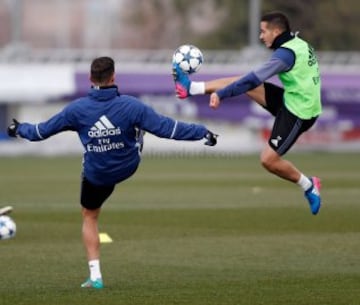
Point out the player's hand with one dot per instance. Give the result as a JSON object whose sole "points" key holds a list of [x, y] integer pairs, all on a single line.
{"points": [[211, 138], [182, 82], [12, 128], [214, 101]]}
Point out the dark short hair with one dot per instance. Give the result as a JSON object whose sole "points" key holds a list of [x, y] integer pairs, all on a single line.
{"points": [[277, 19], [102, 69]]}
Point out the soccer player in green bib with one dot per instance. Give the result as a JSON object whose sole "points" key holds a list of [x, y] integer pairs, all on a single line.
{"points": [[296, 105]]}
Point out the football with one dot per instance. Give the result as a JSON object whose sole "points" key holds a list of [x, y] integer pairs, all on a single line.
{"points": [[7, 227], [189, 58]]}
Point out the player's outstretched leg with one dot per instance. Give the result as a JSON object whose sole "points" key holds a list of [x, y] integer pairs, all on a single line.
{"points": [[6, 210], [182, 82], [313, 195]]}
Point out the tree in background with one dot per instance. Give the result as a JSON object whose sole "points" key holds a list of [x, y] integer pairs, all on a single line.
{"points": [[223, 24], [165, 24], [328, 24]]}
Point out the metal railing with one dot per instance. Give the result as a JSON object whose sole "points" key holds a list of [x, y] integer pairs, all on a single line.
{"points": [[248, 57]]}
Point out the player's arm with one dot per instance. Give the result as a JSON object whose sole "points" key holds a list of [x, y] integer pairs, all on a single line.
{"points": [[146, 118], [185, 87], [257, 94], [282, 60], [40, 131], [216, 84], [251, 84]]}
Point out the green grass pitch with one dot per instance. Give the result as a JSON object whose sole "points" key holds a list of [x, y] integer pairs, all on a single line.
{"points": [[186, 231]]}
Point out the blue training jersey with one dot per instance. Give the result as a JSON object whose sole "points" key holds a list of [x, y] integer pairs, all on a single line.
{"points": [[106, 123]]}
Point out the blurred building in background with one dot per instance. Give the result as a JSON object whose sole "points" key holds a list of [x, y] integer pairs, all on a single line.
{"points": [[46, 47]]}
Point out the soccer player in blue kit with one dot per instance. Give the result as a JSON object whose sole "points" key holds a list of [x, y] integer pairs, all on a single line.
{"points": [[108, 125], [295, 106]]}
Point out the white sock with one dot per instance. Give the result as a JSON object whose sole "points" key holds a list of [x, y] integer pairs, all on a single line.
{"points": [[197, 88], [94, 266], [304, 182]]}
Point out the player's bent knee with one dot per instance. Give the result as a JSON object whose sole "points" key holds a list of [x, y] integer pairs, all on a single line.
{"points": [[265, 162], [268, 162]]}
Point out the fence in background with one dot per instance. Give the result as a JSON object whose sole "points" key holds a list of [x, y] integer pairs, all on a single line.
{"points": [[37, 83]]}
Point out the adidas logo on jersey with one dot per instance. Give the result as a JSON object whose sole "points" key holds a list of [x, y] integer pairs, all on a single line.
{"points": [[103, 128]]}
